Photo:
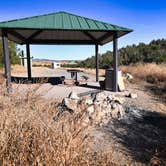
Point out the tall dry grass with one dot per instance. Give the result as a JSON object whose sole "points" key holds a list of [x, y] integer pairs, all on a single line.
{"points": [[33, 133], [150, 72], [18, 70]]}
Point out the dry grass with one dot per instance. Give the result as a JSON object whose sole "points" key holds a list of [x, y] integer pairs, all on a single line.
{"points": [[150, 72], [1, 77], [18, 70], [32, 133], [42, 63]]}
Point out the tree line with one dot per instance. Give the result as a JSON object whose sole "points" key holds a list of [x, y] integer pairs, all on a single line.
{"points": [[155, 51], [14, 53]]}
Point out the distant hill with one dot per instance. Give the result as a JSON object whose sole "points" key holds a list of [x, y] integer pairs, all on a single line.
{"points": [[155, 51], [52, 60]]}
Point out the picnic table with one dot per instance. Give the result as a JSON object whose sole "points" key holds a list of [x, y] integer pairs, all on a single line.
{"points": [[74, 75]]}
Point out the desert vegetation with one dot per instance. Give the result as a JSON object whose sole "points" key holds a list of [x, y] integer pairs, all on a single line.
{"points": [[152, 72], [32, 132]]}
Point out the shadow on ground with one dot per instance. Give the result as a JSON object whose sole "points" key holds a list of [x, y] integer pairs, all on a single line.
{"points": [[90, 86], [158, 90], [142, 134], [34, 80]]}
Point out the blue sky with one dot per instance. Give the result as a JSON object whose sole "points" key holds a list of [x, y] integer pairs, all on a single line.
{"points": [[146, 17]]}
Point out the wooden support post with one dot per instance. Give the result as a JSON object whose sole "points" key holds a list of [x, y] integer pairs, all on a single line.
{"points": [[28, 61], [97, 62], [115, 62], [7, 60]]}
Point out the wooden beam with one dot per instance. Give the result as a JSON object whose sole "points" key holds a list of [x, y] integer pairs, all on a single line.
{"points": [[61, 42], [91, 37], [28, 61], [105, 36], [16, 34], [7, 60], [115, 62], [33, 35], [97, 62]]}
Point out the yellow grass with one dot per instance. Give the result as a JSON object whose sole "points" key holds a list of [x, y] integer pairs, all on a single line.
{"points": [[149, 72], [32, 133], [18, 69], [153, 72]]}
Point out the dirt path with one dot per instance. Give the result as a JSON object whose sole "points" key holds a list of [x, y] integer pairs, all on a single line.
{"points": [[146, 98], [139, 138]]}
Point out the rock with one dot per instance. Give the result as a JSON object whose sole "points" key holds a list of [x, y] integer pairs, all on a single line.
{"points": [[109, 98], [70, 104], [120, 82], [88, 101], [87, 120], [113, 105], [133, 95], [104, 121], [126, 93], [98, 109], [91, 109], [73, 95], [129, 77], [118, 112], [119, 100], [99, 98]]}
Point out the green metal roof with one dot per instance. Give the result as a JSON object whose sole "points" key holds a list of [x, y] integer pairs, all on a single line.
{"points": [[61, 21], [61, 28]]}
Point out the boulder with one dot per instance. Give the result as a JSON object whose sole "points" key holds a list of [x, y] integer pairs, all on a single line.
{"points": [[133, 95], [126, 93], [118, 112], [70, 104], [113, 105], [88, 101], [73, 96], [129, 77], [119, 100], [99, 98], [91, 109], [110, 98], [120, 82]]}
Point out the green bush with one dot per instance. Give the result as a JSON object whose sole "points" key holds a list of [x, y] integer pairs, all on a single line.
{"points": [[14, 53]]}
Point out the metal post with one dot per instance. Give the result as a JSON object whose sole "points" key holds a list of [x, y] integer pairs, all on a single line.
{"points": [[7, 60], [28, 61], [22, 58], [115, 62], [97, 62]]}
